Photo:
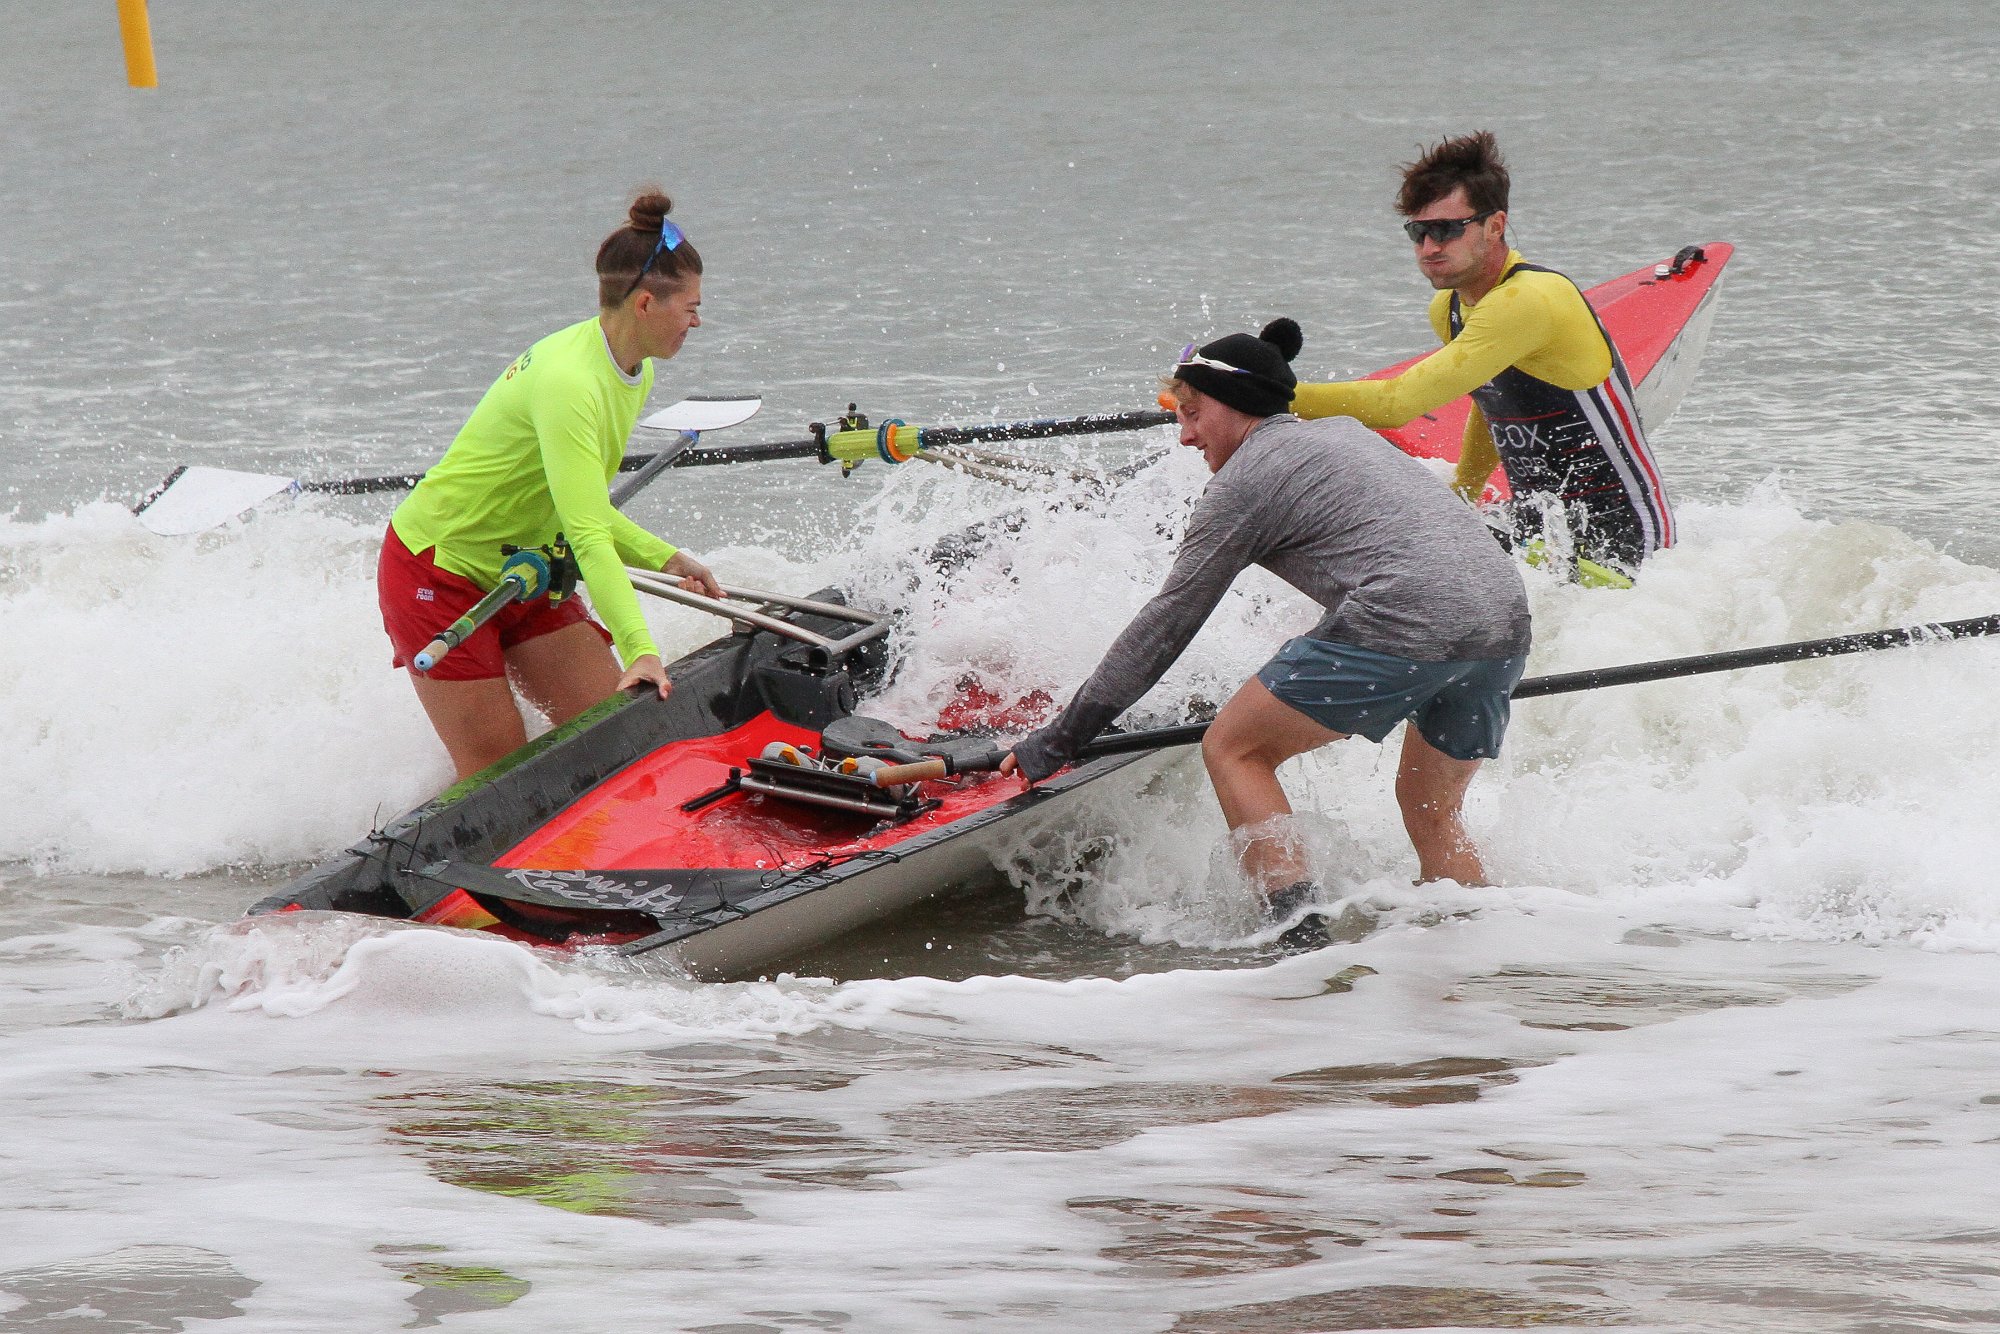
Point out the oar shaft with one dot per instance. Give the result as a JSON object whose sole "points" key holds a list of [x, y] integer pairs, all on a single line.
{"points": [[1158, 738], [927, 437], [764, 453], [1769, 655], [650, 466], [1043, 430], [362, 486], [693, 458], [894, 441], [403, 481], [1121, 743]]}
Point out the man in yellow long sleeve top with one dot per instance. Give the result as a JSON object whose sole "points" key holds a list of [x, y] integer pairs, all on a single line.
{"points": [[1552, 403]]}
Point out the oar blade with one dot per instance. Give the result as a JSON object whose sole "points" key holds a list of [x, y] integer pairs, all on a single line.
{"points": [[197, 499], [705, 413]]}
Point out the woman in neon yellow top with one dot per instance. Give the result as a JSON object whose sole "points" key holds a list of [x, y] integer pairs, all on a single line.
{"points": [[536, 458]]}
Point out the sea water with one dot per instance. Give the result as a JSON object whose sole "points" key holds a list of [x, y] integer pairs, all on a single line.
{"points": [[1717, 1053]]}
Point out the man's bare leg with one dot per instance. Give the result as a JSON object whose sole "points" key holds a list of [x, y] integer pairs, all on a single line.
{"points": [[1253, 734], [1430, 788]]}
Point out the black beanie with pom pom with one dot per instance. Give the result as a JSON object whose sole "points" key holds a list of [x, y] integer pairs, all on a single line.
{"points": [[1260, 380]]}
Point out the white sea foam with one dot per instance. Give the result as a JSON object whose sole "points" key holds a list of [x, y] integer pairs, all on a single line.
{"points": [[178, 704], [1719, 1054], [357, 973], [1705, 861], [1837, 795], [190, 703]]}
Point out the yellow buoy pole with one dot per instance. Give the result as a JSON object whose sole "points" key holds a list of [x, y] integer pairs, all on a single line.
{"points": [[138, 33]]}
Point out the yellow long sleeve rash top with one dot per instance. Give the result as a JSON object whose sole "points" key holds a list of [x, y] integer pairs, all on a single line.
{"points": [[1536, 321], [536, 458]]}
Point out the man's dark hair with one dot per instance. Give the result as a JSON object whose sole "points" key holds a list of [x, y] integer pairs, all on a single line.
{"points": [[1470, 160]]}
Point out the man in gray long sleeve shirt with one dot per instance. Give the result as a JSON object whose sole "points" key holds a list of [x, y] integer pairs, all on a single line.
{"points": [[1426, 618]]}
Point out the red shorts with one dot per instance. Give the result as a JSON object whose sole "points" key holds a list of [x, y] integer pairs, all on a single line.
{"points": [[419, 600]]}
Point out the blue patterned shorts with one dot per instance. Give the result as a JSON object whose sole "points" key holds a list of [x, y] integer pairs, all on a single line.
{"points": [[1460, 707]]}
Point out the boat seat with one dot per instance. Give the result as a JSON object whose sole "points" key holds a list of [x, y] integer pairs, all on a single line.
{"points": [[855, 736]]}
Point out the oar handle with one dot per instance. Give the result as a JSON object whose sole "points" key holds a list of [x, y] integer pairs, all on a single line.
{"points": [[984, 760], [895, 775], [436, 649], [513, 586]]}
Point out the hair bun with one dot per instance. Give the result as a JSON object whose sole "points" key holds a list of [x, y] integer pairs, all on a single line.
{"points": [[649, 210], [1285, 335]]}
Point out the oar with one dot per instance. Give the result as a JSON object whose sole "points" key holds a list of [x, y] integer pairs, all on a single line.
{"points": [[1161, 738], [691, 416], [195, 499]]}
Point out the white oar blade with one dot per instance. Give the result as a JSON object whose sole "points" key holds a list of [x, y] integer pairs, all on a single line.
{"points": [[203, 498], [699, 413]]}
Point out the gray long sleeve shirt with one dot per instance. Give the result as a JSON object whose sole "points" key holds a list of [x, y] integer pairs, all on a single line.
{"points": [[1398, 561]]}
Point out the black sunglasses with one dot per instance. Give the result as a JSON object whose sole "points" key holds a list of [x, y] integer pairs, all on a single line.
{"points": [[1443, 230]]}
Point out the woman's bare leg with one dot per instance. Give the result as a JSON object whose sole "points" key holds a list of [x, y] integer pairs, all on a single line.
{"points": [[564, 672], [477, 720], [561, 673]]}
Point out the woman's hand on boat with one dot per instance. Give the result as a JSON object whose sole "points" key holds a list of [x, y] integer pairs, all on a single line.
{"points": [[647, 668], [694, 576]]}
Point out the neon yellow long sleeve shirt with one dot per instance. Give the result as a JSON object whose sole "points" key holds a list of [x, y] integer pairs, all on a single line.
{"points": [[536, 458], [1536, 321]]}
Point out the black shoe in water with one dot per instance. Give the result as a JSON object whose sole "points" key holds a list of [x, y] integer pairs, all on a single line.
{"points": [[1309, 932]]}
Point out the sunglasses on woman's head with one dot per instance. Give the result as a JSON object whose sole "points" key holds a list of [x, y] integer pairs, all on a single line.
{"points": [[670, 239]]}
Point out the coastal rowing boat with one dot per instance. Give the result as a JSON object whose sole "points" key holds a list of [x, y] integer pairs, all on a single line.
{"points": [[735, 825], [673, 825]]}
